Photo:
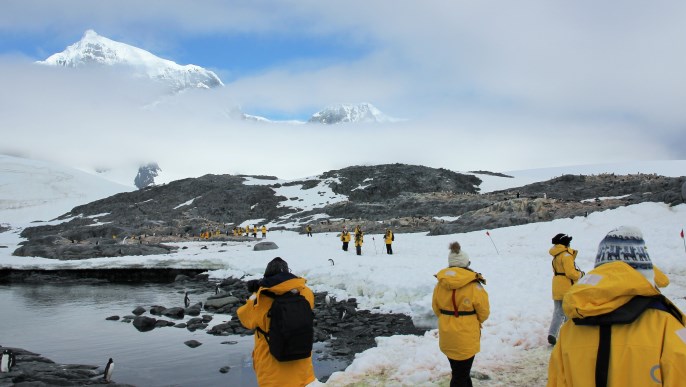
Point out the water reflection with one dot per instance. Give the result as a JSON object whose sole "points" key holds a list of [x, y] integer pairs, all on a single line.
{"points": [[66, 323]]}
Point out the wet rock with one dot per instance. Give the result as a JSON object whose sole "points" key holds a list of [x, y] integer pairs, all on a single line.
{"points": [[193, 343], [175, 312], [194, 310], [138, 311], [112, 318], [221, 301], [144, 323], [224, 369], [157, 310]]}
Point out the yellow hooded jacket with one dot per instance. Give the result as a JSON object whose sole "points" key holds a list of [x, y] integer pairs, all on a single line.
{"points": [[388, 237], [459, 338], [345, 236], [269, 371], [564, 269], [650, 351]]}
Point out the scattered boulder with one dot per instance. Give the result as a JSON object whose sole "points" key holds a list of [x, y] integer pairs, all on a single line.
{"points": [[193, 343], [220, 301], [262, 246], [138, 311], [175, 312], [112, 318], [144, 323]]}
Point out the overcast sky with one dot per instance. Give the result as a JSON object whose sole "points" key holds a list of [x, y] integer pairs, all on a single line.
{"points": [[496, 85]]}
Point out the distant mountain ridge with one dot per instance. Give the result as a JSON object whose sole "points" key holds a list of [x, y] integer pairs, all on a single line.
{"points": [[94, 49], [343, 113]]}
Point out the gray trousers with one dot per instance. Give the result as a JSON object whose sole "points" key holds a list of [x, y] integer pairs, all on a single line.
{"points": [[558, 318]]}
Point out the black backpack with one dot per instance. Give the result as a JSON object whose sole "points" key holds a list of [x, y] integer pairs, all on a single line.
{"points": [[291, 330]]}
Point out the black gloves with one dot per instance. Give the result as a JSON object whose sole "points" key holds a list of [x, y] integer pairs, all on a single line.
{"points": [[253, 285]]}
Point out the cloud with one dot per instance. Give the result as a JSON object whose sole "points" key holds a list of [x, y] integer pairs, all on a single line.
{"points": [[484, 85]]}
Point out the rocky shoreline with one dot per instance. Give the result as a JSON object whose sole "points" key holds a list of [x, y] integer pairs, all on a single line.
{"points": [[343, 328], [34, 370]]}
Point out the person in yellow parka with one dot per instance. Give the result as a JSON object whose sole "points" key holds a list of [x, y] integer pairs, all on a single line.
{"points": [[565, 274], [388, 239], [461, 304], [623, 332], [359, 240], [345, 238], [254, 315], [264, 231]]}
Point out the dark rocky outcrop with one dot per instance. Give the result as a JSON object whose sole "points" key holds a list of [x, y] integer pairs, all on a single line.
{"points": [[407, 198], [31, 369]]}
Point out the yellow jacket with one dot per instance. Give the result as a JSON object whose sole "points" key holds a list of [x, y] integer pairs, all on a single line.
{"points": [[565, 272], [650, 351], [269, 371], [264, 229], [460, 337], [388, 237], [359, 239], [345, 236]]}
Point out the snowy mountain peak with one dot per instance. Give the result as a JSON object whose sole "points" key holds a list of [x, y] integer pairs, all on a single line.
{"points": [[94, 49], [362, 112]]}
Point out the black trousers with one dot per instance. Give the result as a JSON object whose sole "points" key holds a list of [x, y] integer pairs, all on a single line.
{"points": [[461, 370], [389, 249], [359, 250], [345, 246]]}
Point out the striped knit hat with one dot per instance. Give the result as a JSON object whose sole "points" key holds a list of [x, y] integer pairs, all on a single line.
{"points": [[626, 244]]}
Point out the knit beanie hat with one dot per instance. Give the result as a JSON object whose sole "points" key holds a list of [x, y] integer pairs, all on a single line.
{"points": [[561, 239], [626, 244], [460, 259], [276, 266]]}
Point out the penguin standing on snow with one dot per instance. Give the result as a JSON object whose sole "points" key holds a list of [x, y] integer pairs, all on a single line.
{"points": [[6, 361], [186, 300], [109, 368]]}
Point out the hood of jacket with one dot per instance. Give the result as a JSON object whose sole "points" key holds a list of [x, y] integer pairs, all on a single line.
{"points": [[557, 249], [605, 289], [282, 283], [457, 277]]}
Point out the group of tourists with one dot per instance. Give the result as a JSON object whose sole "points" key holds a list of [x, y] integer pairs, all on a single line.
{"points": [[249, 230], [610, 327], [358, 237]]}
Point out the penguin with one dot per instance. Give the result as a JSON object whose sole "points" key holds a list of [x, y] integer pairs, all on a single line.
{"points": [[186, 300], [327, 300], [216, 289], [331, 261], [109, 368], [5, 361]]}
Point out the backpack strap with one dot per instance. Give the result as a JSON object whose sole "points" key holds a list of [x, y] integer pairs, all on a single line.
{"points": [[602, 363], [455, 312], [625, 314]]}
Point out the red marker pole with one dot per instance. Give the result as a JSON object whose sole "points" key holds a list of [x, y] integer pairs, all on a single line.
{"points": [[489, 237]]}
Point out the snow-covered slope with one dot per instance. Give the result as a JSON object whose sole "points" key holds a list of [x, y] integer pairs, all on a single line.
{"points": [[336, 114], [94, 49], [35, 190]]}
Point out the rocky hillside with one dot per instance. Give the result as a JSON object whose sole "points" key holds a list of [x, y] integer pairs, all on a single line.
{"points": [[407, 198]]}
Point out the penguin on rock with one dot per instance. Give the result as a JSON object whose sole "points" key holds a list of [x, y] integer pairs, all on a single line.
{"points": [[109, 369], [6, 360]]}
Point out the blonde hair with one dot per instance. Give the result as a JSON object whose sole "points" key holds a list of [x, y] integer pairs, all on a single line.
{"points": [[455, 247]]}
